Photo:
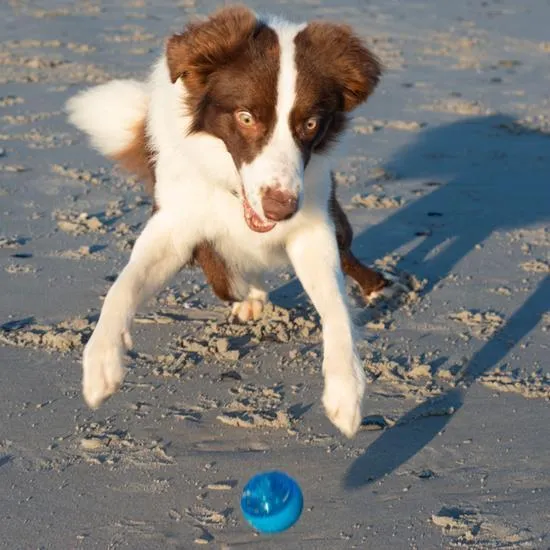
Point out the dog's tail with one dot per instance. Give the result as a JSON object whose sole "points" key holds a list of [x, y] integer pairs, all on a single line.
{"points": [[114, 116]]}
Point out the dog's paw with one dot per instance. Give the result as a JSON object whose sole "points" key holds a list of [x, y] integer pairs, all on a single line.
{"points": [[250, 309], [103, 370], [393, 288], [342, 399]]}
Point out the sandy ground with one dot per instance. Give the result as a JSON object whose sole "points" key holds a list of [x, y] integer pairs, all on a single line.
{"points": [[446, 178]]}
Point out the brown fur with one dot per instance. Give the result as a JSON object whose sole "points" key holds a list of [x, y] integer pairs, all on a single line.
{"points": [[238, 72], [333, 53], [204, 46], [138, 157], [215, 270], [336, 72]]}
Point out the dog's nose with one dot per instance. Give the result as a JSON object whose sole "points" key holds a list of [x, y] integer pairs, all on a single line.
{"points": [[279, 205]]}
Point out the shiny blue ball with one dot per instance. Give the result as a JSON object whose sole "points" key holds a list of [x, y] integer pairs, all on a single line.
{"points": [[272, 502]]}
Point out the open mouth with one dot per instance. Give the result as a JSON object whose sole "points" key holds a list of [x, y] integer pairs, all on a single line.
{"points": [[252, 219]]}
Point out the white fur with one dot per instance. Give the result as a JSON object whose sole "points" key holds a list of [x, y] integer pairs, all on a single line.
{"points": [[195, 175], [110, 113]]}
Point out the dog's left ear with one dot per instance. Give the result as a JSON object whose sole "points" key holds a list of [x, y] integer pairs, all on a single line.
{"points": [[346, 60]]}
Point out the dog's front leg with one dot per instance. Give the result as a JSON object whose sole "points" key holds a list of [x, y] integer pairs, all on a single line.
{"points": [[313, 252], [155, 258]]}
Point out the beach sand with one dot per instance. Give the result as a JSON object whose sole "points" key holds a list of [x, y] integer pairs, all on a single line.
{"points": [[445, 175]]}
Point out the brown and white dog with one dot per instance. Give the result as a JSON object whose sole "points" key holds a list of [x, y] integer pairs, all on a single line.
{"points": [[233, 131]]}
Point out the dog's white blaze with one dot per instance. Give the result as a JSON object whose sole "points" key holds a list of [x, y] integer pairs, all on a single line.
{"points": [[280, 162], [286, 86]]}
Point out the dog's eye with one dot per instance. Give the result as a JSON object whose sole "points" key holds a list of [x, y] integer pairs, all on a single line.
{"points": [[245, 119], [312, 123]]}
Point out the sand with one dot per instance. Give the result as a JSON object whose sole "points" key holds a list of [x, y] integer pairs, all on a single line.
{"points": [[445, 177]]}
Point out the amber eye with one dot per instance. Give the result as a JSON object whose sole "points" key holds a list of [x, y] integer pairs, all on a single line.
{"points": [[312, 124], [245, 119]]}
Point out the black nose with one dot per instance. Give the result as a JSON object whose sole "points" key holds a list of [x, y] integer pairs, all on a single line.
{"points": [[279, 205]]}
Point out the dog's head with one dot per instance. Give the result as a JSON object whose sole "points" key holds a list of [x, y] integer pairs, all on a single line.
{"points": [[275, 93]]}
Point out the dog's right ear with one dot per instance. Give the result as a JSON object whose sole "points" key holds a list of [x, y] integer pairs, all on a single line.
{"points": [[205, 46]]}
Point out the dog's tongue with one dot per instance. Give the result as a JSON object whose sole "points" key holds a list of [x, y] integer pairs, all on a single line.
{"points": [[253, 220]]}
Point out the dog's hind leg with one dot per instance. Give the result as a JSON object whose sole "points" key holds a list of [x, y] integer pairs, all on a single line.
{"points": [[158, 254], [371, 282]]}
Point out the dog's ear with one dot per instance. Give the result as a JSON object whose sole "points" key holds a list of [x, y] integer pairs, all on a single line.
{"points": [[345, 59], [204, 46]]}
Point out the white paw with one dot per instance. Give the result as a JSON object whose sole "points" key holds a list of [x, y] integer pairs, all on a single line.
{"points": [[103, 370], [343, 396], [250, 309]]}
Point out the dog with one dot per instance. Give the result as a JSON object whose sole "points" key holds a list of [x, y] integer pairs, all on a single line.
{"points": [[232, 133]]}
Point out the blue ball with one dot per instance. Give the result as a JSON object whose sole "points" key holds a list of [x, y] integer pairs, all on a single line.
{"points": [[272, 502]]}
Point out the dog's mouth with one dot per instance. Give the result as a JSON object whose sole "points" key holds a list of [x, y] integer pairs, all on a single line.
{"points": [[252, 219]]}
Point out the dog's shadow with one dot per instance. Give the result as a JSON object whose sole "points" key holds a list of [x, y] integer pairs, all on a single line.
{"points": [[482, 175], [418, 427]]}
